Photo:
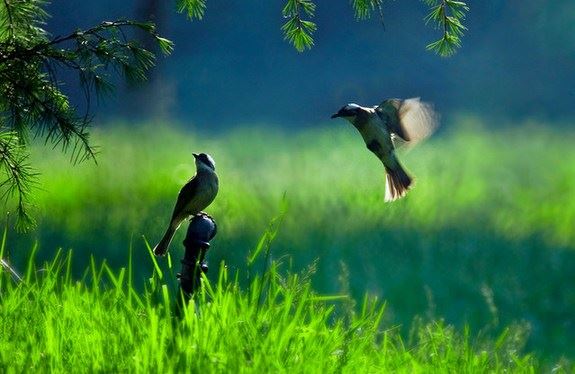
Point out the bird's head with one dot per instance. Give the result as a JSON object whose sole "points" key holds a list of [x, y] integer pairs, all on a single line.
{"points": [[204, 162], [349, 112]]}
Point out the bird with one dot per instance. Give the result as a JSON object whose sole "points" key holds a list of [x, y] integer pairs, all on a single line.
{"points": [[392, 123], [196, 195]]}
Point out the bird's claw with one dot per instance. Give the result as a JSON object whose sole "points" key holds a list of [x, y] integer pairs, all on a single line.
{"points": [[200, 214], [158, 253]]}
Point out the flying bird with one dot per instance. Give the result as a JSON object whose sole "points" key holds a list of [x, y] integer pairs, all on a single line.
{"points": [[386, 125], [194, 197]]}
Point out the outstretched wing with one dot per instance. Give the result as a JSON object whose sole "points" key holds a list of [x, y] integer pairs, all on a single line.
{"points": [[410, 120], [417, 120], [388, 112]]}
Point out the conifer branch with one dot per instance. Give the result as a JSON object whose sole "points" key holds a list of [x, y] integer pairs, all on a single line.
{"points": [[298, 31], [447, 15], [19, 177], [194, 9], [364, 8], [32, 100]]}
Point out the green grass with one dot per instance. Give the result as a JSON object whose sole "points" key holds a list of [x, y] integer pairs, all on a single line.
{"points": [[51, 322], [512, 182], [484, 240]]}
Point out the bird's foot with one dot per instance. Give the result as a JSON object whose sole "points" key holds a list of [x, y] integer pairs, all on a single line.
{"points": [[159, 253], [201, 214]]}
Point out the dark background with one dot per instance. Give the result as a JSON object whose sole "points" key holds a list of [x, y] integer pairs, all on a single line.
{"points": [[234, 68]]}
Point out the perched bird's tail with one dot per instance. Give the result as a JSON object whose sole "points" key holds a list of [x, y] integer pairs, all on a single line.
{"points": [[162, 247], [397, 183]]}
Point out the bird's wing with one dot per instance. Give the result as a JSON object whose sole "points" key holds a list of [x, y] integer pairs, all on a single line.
{"points": [[417, 120], [388, 112], [184, 197], [398, 141], [409, 120]]}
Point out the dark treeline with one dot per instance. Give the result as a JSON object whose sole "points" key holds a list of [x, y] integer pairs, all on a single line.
{"points": [[234, 68]]}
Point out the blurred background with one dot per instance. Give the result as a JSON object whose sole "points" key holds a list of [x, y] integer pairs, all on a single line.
{"points": [[484, 239], [234, 67]]}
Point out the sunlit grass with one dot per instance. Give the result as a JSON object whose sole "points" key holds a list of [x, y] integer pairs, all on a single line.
{"points": [[513, 182], [52, 322]]}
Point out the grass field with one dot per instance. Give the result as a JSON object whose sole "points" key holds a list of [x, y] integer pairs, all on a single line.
{"points": [[276, 324], [484, 240]]}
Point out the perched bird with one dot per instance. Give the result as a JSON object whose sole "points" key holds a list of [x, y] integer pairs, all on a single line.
{"points": [[195, 196], [384, 126]]}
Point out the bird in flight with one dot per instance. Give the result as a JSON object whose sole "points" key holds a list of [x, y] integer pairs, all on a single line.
{"points": [[195, 196], [386, 125]]}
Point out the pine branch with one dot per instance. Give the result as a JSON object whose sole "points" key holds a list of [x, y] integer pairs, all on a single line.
{"points": [[22, 18], [10, 18], [20, 177], [364, 8], [89, 36], [447, 15], [298, 31], [31, 97], [195, 9]]}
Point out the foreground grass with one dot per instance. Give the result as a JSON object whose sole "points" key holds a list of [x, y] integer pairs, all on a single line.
{"points": [[51, 322]]}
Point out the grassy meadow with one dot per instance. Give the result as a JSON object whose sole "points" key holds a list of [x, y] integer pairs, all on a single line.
{"points": [[276, 324], [479, 254]]}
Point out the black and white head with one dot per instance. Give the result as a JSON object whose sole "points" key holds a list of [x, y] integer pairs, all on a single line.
{"points": [[204, 162], [349, 112]]}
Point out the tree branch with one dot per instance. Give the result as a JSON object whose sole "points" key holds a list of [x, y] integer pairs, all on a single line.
{"points": [[10, 20]]}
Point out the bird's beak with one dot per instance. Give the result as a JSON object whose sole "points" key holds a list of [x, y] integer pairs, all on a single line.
{"points": [[195, 155], [335, 115]]}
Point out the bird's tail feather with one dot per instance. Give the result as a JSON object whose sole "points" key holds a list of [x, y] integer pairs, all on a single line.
{"points": [[397, 183], [162, 247]]}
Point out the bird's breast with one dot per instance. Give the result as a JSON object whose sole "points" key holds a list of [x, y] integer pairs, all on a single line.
{"points": [[206, 193], [377, 138]]}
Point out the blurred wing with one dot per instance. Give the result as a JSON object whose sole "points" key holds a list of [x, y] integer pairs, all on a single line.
{"points": [[388, 112], [417, 119], [397, 141]]}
